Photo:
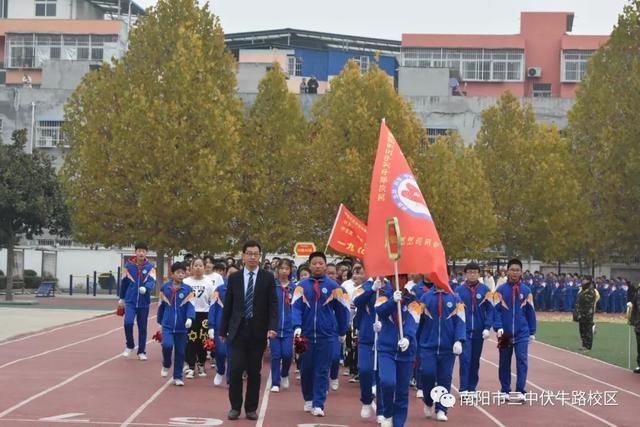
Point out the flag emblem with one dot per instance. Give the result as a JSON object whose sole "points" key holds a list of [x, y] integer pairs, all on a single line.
{"points": [[407, 196]]}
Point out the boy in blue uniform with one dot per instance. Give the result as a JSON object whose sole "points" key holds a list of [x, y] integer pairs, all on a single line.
{"points": [[515, 324], [365, 300], [175, 314], [442, 333], [396, 353], [282, 345], [214, 320], [320, 312], [478, 302], [138, 281]]}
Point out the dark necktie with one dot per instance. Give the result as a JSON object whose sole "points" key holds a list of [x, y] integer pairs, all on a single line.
{"points": [[248, 298]]}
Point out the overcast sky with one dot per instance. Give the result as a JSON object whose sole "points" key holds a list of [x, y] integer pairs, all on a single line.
{"points": [[389, 19]]}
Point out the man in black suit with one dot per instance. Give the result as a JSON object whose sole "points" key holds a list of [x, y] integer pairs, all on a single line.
{"points": [[249, 317]]}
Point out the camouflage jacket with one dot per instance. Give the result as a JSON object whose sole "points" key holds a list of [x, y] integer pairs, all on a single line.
{"points": [[585, 304]]}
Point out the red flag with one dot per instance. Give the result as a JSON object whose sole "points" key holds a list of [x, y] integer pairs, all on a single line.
{"points": [[395, 192], [349, 234]]}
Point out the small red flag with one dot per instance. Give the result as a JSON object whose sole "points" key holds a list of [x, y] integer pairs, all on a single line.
{"points": [[395, 192], [349, 234]]}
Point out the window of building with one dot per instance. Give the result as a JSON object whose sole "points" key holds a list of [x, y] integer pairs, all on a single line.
{"points": [[433, 134], [46, 7], [574, 64], [33, 50], [49, 134], [542, 90], [295, 66], [472, 64], [364, 64]]}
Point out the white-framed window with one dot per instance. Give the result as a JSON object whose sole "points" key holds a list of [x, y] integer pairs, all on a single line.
{"points": [[542, 90], [32, 50], [364, 64], [472, 64], [46, 7], [294, 67], [49, 133], [574, 64]]}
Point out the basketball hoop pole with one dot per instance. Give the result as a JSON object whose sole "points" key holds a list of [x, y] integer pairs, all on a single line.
{"points": [[393, 242]]}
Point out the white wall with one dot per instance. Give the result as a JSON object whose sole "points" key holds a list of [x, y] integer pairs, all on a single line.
{"points": [[26, 9]]}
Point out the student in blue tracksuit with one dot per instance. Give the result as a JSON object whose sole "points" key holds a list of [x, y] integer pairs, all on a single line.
{"points": [[418, 290], [515, 323], [334, 370], [396, 353], [442, 333], [320, 312], [176, 313], [214, 320], [364, 300], [478, 302], [136, 287], [282, 345]]}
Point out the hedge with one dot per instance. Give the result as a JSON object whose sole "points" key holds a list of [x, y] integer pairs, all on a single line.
{"points": [[30, 282]]}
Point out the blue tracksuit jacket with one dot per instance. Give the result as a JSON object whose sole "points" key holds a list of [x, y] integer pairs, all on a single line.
{"points": [[389, 336], [365, 301], [215, 310], [478, 302], [174, 311], [443, 322], [514, 311], [285, 325], [133, 278]]}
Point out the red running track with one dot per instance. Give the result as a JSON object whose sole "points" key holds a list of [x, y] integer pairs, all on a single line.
{"points": [[74, 375]]}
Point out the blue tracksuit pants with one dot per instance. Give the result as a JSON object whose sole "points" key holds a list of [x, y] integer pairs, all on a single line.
{"points": [[281, 355], [171, 341], [394, 383], [314, 371], [140, 315], [504, 367], [335, 362], [470, 363], [221, 356], [367, 376], [435, 369]]}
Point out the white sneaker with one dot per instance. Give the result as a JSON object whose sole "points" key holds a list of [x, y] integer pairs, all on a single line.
{"points": [[373, 389], [164, 372], [365, 412], [201, 371], [441, 416], [346, 372], [189, 374], [335, 384], [275, 389], [127, 352], [379, 419], [387, 422], [308, 406], [298, 375], [284, 382], [516, 397], [428, 411], [317, 412], [419, 394], [217, 380], [503, 396], [178, 382], [142, 356]]}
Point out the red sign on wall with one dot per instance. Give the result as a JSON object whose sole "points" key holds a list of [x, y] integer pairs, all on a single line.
{"points": [[304, 248]]}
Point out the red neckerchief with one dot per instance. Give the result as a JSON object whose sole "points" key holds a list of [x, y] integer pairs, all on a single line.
{"points": [[472, 289], [287, 297], [140, 266], [515, 292], [439, 304], [316, 288], [174, 291]]}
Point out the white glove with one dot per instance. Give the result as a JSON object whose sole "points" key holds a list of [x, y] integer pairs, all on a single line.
{"points": [[188, 323], [629, 304], [403, 344], [342, 339], [485, 334], [397, 296], [142, 290], [500, 332], [120, 302], [377, 326], [297, 332], [376, 285], [211, 333], [457, 348], [532, 338]]}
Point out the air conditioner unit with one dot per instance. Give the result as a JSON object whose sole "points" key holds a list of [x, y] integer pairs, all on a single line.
{"points": [[534, 72]]}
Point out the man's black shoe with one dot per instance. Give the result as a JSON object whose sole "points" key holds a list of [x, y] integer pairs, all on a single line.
{"points": [[252, 415], [233, 414], [637, 370]]}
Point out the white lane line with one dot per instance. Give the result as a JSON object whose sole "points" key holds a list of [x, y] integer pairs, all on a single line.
{"points": [[484, 411], [142, 407], [33, 356], [581, 355], [577, 408], [59, 385], [580, 373], [264, 404], [47, 331], [93, 423]]}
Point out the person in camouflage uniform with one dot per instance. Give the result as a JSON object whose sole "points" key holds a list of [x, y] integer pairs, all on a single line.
{"points": [[587, 299], [633, 310]]}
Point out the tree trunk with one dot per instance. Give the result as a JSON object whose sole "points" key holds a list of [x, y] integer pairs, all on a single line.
{"points": [[159, 271], [10, 262]]}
